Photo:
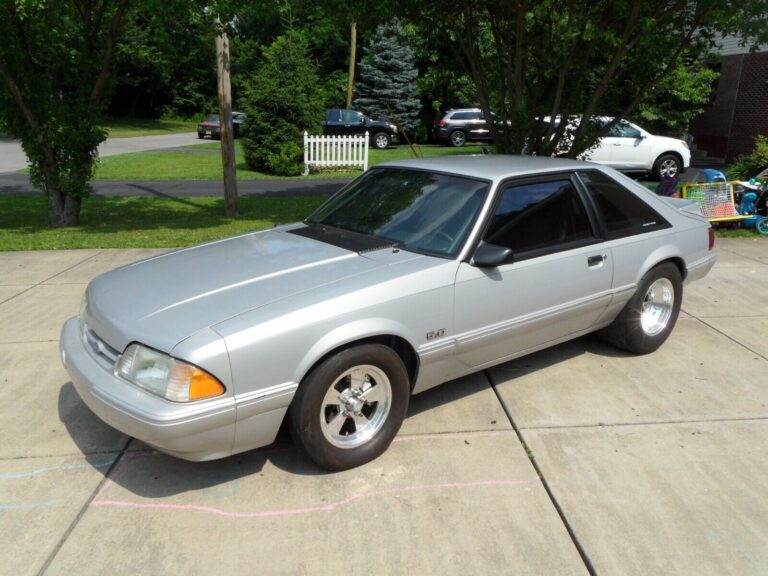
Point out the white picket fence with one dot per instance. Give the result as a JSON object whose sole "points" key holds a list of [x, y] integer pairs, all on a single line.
{"points": [[335, 151]]}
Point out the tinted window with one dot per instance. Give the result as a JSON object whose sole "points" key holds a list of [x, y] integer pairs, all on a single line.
{"points": [[465, 116], [417, 210], [624, 130], [623, 213], [351, 117], [539, 215]]}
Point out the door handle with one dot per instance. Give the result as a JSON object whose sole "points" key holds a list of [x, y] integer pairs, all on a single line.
{"points": [[596, 260]]}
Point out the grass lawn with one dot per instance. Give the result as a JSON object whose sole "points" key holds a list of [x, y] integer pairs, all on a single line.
{"points": [[129, 127], [197, 165], [143, 222]]}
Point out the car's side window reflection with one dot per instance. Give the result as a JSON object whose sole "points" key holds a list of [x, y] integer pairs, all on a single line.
{"points": [[623, 213], [539, 216]]}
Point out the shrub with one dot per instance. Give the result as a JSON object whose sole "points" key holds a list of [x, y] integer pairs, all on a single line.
{"points": [[282, 100], [750, 165]]}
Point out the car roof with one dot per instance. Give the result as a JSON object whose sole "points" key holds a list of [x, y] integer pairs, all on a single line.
{"points": [[490, 166]]}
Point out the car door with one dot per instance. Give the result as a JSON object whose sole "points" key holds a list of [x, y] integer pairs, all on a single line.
{"points": [[557, 285], [479, 127], [352, 123], [630, 148], [332, 124]]}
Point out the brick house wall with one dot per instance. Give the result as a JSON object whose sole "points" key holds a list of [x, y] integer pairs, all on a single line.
{"points": [[739, 112]]}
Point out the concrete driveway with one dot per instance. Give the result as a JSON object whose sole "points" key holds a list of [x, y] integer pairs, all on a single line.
{"points": [[575, 460]]}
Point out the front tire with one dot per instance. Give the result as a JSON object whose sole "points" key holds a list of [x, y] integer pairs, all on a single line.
{"points": [[667, 165], [458, 138], [647, 320], [349, 408], [381, 140]]}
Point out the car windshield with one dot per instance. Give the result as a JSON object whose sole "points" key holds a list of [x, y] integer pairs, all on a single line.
{"points": [[416, 210], [212, 118]]}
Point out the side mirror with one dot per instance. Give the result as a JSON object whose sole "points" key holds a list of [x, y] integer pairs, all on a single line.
{"points": [[363, 121], [491, 256]]}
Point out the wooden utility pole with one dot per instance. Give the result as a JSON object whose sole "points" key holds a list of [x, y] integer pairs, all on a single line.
{"points": [[225, 121], [352, 55]]}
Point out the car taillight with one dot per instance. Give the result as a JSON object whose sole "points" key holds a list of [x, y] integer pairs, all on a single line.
{"points": [[442, 123], [711, 237]]}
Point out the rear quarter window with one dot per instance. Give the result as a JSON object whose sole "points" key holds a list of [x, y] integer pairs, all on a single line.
{"points": [[622, 212]]}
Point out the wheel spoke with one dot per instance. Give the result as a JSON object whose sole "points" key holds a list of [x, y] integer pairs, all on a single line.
{"points": [[335, 425], [360, 421], [331, 397], [357, 379], [374, 394]]}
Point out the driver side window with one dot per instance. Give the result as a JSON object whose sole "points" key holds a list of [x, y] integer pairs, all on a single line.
{"points": [[539, 217]]}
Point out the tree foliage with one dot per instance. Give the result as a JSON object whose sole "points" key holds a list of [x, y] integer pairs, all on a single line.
{"points": [[387, 85], [678, 97], [750, 165], [55, 64], [533, 59], [164, 63], [282, 101]]}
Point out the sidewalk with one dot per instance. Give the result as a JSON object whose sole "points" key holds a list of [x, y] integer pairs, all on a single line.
{"points": [[575, 460]]}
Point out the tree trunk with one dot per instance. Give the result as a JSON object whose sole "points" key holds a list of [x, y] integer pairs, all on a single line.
{"points": [[63, 210], [352, 56], [225, 122]]}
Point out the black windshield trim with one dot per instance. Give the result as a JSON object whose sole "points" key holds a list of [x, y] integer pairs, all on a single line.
{"points": [[353, 241]]}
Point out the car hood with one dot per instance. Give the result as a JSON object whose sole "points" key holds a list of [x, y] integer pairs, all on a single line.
{"points": [[166, 299]]}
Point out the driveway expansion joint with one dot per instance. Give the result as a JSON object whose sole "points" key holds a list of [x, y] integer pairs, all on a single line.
{"points": [[646, 423], [571, 533], [59, 273], [731, 338], [82, 511]]}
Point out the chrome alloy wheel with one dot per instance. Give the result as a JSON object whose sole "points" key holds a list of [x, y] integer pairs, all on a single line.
{"points": [[657, 307], [381, 141], [356, 406], [668, 167]]}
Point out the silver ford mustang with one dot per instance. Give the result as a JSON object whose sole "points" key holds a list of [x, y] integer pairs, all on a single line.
{"points": [[416, 273]]}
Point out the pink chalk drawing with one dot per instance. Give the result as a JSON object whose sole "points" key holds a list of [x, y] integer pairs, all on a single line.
{"points": [[330, 507]]}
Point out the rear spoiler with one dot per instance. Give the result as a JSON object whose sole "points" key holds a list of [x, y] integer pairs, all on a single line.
{"points": [[686, 206]]}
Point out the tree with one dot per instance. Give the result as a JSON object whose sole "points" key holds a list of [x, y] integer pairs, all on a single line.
{"points": [[282, 101], [388, 78], [535, 59], [55, 66], [163, 63], [679, 97]]}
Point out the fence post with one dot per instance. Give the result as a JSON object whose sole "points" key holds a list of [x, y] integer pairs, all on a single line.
{"points": [[306, 158], [365, 147]]}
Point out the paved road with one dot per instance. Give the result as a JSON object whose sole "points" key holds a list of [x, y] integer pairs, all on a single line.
{"points": [[12, 157], [576, 460], [18, 184]]}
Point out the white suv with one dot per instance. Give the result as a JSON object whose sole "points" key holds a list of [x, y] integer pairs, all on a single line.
{"points": [[629, 148]]}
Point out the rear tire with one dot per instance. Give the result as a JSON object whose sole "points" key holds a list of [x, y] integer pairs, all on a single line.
{"points": [[648, 318], [200, 135], [349, 408], [762, 226]]}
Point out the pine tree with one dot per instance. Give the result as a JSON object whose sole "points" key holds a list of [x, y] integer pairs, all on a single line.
{"points": [[387, 86]]}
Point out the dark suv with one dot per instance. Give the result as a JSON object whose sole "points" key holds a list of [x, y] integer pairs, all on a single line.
{"points": [[340, 122], [458, 126]]}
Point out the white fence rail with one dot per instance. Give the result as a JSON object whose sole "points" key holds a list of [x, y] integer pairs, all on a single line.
{"points": [[335, 151]]}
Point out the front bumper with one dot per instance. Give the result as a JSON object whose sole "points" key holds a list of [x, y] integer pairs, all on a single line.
{"points": [[195, 431]]}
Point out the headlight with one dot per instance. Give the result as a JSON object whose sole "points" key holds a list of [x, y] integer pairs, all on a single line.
{"points": [[165, 376]]}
